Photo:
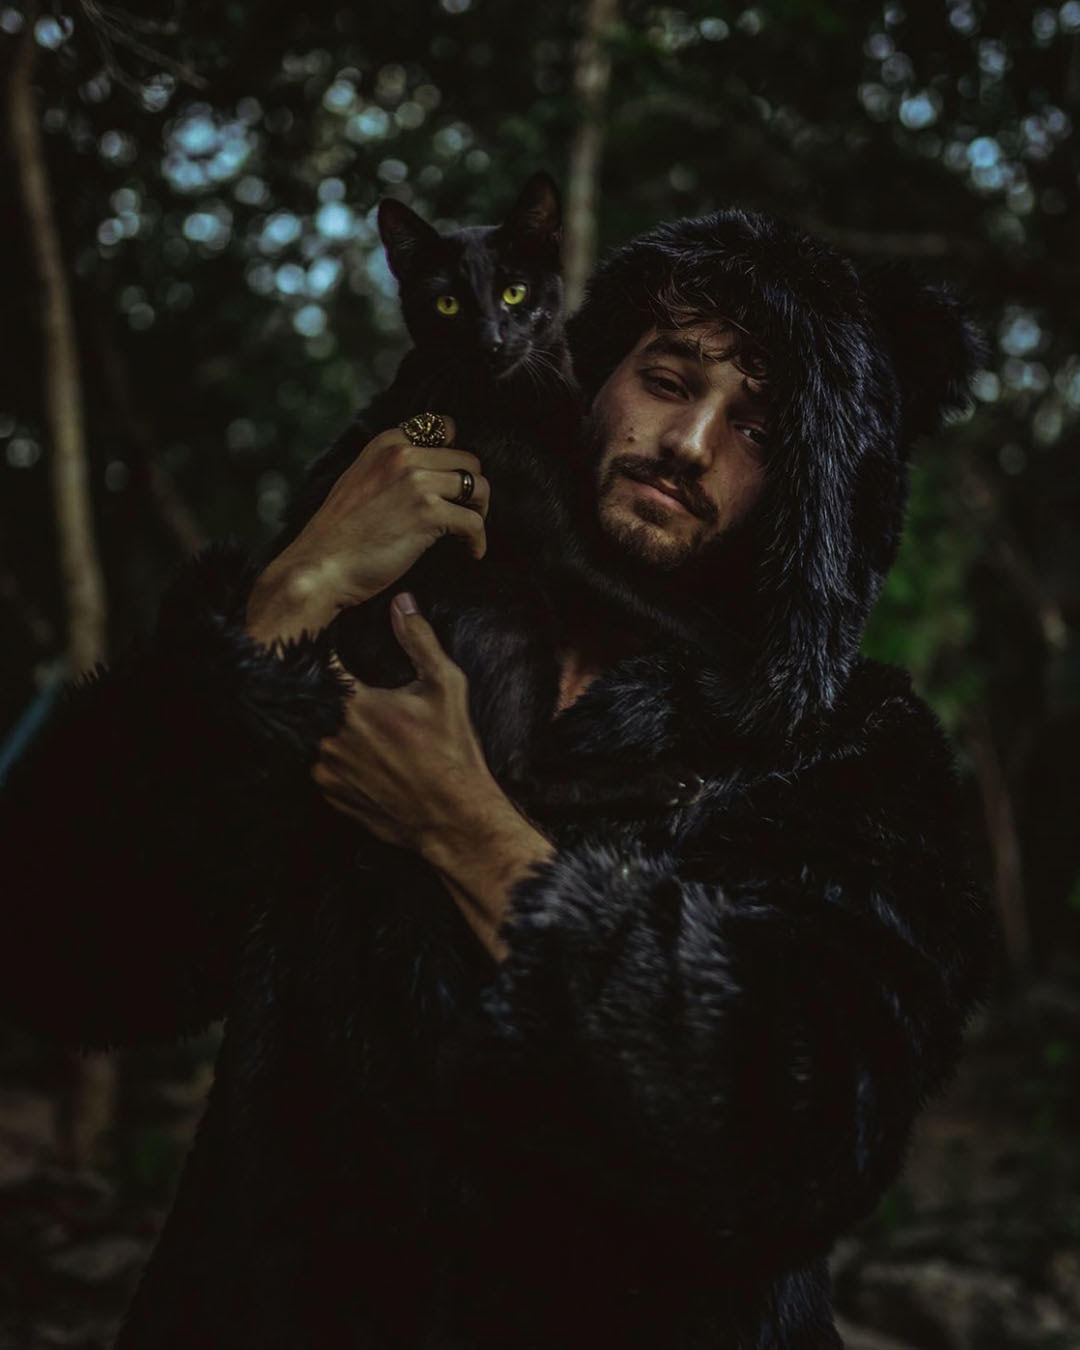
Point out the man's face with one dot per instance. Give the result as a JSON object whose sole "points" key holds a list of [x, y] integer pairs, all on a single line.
{"points": [[681, 442]]}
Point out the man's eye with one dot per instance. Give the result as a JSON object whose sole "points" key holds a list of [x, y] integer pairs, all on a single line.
{"points": [[447, 304], [755, 434], [663, 383], [513, 295]]}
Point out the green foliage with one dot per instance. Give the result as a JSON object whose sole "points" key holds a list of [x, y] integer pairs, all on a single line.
{"points": [[894, 1211], [925, 618], [222, 253]]}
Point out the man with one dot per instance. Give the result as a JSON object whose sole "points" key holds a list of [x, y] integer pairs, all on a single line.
{"points": [[610, 1058], [409, 766]]}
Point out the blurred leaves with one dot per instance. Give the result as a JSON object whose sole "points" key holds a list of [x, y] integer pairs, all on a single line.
{"points": [[222, 244]]}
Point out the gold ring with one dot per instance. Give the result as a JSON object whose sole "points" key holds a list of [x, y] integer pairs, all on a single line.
{"points": [[426, 428]]}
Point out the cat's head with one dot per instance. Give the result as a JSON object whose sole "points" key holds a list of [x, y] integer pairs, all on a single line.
{"points": [[486, 295]]}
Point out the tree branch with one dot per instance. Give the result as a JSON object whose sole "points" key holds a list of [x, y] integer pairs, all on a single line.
{"points": [[929, 245], [114, 27]]}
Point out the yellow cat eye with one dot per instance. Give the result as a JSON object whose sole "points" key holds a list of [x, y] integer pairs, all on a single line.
{"points": [[447, 304], [513, 295]]}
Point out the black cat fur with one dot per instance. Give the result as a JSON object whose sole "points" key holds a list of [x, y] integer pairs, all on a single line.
{"points": [[503, 373]]}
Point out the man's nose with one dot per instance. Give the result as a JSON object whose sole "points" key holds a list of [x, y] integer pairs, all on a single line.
{"points": [[690, 436]]}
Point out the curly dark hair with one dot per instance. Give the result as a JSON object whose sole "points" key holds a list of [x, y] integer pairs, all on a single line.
{"points": [[801, 308], [675, 309]]}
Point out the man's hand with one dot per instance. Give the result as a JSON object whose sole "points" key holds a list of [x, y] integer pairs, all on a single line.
{"points": [[389, 506], [408, 760], [408, 765]]}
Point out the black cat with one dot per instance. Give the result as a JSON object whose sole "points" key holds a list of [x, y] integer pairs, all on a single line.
{"points": [[483, 306]]}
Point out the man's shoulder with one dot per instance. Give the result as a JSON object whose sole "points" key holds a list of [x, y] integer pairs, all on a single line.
{"points": [[881, 721], [883, 696]]}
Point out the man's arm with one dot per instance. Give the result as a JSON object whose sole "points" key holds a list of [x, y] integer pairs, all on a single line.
{"points": [[408, 765], [173, 790], [164, 794], [740, 1031], [737, 1030]]}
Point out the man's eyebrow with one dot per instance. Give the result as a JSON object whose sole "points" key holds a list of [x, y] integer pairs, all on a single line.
{"points": [[687, 349], [756, 398], [670, 344]]}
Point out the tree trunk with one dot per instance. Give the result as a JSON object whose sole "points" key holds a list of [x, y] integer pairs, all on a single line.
{"points": [[81, 572], [1004, 840], [592, 76], [90, 1107]]}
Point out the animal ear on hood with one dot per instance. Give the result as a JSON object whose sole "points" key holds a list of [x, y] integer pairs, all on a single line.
{"points": [[935, 347]]}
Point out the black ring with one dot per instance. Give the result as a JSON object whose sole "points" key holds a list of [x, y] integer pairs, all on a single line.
{"points": [[468, 483]]}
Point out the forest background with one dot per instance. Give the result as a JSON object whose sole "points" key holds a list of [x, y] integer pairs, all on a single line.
{"points": [[195, 301]]}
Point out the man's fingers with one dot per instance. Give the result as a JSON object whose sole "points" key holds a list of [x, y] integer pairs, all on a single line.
{"points": [[449, 484], [418, 639], [468, 525]]}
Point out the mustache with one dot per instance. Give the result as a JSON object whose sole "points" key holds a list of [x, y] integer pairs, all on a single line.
{"points": [[655, 472]]}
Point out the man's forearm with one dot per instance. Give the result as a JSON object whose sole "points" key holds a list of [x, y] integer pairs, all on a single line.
{"points": [[408, 765], [480, 863]]}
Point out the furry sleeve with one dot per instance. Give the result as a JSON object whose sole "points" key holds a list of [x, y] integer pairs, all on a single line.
{"points": [[740, 1035], [157, 803]]}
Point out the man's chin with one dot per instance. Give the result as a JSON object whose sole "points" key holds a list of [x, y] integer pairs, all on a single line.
{"points": [[645, 542]]}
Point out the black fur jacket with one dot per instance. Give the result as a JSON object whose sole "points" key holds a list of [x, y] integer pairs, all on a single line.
{"points": [[747, 967]]}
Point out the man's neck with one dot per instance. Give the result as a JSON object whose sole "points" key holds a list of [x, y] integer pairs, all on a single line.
{"points": [[593, 641]]}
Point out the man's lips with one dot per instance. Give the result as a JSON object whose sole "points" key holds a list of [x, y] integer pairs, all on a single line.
{"points": [[666, 490]]}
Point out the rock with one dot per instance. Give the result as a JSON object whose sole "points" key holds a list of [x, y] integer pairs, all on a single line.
{"points": [[1064, 1278], [102, 1260], [942, 1306], [862, 1338], [95, 1335], [27, 1134]]}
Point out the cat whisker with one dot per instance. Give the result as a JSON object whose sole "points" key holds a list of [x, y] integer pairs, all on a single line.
{"points": [[545, 370], [558, 367]]}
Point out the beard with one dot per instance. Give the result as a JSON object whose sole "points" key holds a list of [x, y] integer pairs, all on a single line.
{"points": [[691, 554], [699, 573]]}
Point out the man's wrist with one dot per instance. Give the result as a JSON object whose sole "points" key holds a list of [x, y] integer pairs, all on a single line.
{"points": [[485, 854], [286, 601], [457, 844]]}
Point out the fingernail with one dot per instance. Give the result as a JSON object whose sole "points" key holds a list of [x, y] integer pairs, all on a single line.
{"points": [[405, 603]]}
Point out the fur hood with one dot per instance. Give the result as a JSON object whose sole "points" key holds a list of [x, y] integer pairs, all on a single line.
{"points": [[859, 367]]}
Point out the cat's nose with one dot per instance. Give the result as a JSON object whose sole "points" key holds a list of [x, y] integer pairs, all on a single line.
{"points": [[491, 340]]}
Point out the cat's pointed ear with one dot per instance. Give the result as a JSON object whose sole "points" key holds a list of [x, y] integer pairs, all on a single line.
{"points": [[403, 234], [535, 219]]}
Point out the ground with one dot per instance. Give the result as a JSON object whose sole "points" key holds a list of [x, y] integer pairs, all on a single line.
{"points": [[976, 1248]]}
